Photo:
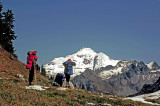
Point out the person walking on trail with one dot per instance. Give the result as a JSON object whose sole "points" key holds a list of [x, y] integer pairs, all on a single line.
{"points": [[68, 70], [31, 63]]}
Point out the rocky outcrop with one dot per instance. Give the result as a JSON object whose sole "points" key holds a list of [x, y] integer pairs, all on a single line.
{"points": [[149, 88], [126, 78], [89, 80], [71, 86]]}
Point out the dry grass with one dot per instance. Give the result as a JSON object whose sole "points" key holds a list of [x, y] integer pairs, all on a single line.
{"points": [[154, 100], [14, 93]]}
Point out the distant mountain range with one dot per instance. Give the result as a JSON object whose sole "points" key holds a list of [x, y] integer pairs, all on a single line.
{"points": [[99, 73]]}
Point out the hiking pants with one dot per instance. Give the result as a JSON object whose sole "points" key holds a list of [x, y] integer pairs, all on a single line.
{"points": [[67, 77], [31, 74]]}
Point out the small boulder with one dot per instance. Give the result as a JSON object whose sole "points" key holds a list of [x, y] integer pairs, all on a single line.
{"points": [[71, 86], [20, 76]]}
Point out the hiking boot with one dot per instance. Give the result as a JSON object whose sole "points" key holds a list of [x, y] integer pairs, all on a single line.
{"points": [[67, 84], [30, 83]]}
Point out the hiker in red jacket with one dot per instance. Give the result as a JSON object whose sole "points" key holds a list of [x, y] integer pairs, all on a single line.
{"points": [[31, 62], [68, 71]]}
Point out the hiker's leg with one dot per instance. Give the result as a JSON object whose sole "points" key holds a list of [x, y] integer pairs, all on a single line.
{"points": [[67, 77], [31, 75], [67, 80]]}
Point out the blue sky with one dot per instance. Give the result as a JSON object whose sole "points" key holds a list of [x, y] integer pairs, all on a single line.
{"points": [[122, 29]]}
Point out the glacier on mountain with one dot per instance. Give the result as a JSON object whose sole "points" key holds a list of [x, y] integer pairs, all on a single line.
{"points": [[153, 66], [85, 58]]}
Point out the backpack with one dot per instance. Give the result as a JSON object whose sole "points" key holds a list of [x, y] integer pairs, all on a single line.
{"points": [[58, 80], [69, 69], [31, 56]]}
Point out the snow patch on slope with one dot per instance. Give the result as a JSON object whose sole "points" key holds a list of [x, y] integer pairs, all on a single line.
{"points": [[151, 66], [153, 71], [142, 98], [109, 73], [36, 87], [106, 74]]}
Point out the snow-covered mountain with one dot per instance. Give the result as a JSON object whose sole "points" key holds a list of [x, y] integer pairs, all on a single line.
{"points": [[153, 66], [85, 58], [98, 72], [121, 66]]}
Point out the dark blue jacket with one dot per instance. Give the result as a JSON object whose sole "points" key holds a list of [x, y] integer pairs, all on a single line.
{"points": [[69, 67]]}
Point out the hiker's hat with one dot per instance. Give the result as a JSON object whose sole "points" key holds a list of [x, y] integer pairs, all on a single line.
{"points": [[34, 52], [69, 60]]}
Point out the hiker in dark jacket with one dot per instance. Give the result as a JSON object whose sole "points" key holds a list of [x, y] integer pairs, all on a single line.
{"points": [[58, 80], [68, 70]]}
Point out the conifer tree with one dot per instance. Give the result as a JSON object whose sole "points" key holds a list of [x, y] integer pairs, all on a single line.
{"points": [[43, 71], [83, 87], [1, 25], [37, 68], [6, 30]]}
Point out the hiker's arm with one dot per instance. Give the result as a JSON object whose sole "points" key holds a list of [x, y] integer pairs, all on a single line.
{"points": [[64, 64], [73, 63]]}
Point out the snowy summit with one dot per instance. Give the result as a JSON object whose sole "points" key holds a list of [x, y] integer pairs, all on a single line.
{"points": [[84, 58]]}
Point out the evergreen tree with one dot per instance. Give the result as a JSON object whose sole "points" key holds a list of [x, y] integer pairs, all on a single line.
{"points": [[83, 87], [6, 30], [1, 25], [43, 71], [37, 68]]}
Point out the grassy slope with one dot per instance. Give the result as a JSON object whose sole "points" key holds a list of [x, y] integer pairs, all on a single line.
{"points": [[13, 92]]}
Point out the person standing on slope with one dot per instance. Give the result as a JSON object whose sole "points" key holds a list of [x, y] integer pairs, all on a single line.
{"points": [[68, 70], [31, 62]]}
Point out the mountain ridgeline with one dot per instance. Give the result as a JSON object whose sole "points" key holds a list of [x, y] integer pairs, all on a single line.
{"points": [[129, 81], [98, 73]]}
